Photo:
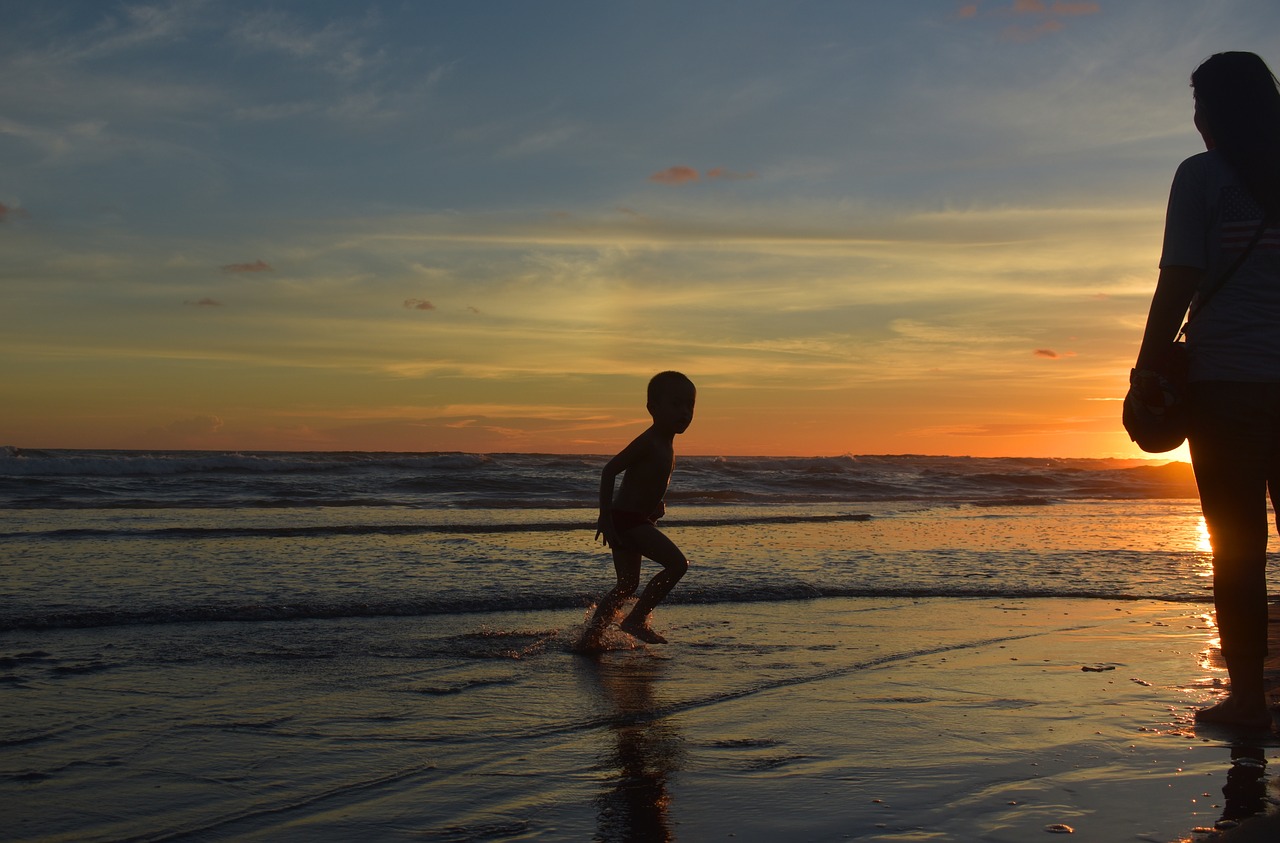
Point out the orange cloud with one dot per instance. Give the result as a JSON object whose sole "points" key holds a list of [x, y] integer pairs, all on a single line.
{"points": [[256, 266], [1047, 353], [675, 175], [1022, 7], [418, 304], [968, 11]]}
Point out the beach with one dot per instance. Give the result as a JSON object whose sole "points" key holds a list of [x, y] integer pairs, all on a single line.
{"points": [[838, 719], [336, 647]]}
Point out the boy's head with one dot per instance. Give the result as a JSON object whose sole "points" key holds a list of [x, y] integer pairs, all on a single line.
{"points": [[663, 382], [670, 401]]}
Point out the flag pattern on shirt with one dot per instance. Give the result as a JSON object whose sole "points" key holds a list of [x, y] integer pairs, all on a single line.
{"points": [[1241, 217]]}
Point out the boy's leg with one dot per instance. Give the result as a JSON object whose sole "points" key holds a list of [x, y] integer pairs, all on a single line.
{"points": [[651, 542], [626, 564]]}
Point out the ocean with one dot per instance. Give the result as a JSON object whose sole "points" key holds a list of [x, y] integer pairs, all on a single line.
{"points": [[115, 537], [327, 646]]}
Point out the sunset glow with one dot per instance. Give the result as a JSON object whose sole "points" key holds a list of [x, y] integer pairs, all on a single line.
{"points": [[868, 228]]}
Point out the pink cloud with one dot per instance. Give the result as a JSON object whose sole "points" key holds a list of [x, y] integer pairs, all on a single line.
{"points": [[256, 266], [1023, 7], [418, 304], [968, 11], [675, 175], [205, 302]]}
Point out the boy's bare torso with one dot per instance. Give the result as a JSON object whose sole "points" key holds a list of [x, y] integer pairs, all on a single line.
{"points": [[645, 482]]}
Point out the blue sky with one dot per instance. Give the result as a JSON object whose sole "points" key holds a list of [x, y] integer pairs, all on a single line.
{"points": [[861, 227]]}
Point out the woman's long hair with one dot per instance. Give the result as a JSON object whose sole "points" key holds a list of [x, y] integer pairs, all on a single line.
{"points": [[1238, 99]]}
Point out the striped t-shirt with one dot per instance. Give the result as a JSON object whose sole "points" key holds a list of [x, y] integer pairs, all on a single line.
{"points": [[1211, 219]]}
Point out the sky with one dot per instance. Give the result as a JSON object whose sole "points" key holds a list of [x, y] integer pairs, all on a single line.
{"points": [[923, 227]]}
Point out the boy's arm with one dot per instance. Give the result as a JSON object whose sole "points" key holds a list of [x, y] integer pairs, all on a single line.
{"points": [[609, 476]]}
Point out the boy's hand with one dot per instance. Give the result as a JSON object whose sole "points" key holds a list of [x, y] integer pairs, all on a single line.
{"points": [[605, 530]]}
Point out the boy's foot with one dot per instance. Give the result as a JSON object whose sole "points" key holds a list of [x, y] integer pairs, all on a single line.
{"points": [[1230, 712], [641, 631]]}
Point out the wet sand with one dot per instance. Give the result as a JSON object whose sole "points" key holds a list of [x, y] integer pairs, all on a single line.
{"points": [[836, 719], [1273, 661], [1266, 830]]}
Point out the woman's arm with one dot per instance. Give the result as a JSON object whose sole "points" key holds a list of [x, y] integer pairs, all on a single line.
{"points": [[1174, 289]]}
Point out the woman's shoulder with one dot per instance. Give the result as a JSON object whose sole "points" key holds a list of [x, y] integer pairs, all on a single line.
{"points": [[1211, 162], [1202, 161], [1205, 172]]}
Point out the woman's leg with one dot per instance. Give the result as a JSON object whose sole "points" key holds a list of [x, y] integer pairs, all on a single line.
{"points": [[1233, 447]]}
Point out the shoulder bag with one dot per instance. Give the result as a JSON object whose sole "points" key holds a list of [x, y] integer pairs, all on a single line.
{"points": [[1157, 429]]}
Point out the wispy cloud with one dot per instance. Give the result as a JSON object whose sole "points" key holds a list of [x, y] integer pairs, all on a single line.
{"points": [[1071, 9], [1016, 32], [418, 304], [256, 266], [728, 175], [205, 302], [337, 47], [194, 426], [8, 212], [541, 142]]}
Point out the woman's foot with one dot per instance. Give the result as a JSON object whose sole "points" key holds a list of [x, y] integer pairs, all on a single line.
{"points": [[641, 630], [1232, 712]]}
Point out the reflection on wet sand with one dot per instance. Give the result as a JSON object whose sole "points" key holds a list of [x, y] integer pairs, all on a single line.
{"points": [[1244, 809], [1246, 787], [647, 748]]}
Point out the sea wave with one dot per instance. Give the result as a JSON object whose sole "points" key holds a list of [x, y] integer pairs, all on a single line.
{"points": [[322, 530], [304, 610], [18, 462], [220, 480]]}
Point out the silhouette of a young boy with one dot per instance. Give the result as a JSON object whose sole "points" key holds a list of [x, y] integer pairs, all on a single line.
{"points": [[628, 520]]}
